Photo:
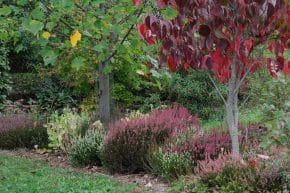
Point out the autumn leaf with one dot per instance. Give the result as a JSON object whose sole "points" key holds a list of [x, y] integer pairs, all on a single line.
{"points": [[75, 37], [46, 35]]}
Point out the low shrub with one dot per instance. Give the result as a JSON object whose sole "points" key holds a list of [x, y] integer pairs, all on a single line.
{"points": [[86, 150], [211, 144], [274, 174], [128, 140], [201, 153], [205, 145], [64, 128], [21, 131], [170, 165], [258, 174]]}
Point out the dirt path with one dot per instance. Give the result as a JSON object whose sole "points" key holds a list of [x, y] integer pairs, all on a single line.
{"points": [[145, 181]]}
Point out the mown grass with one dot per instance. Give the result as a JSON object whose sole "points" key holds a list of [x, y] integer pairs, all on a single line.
{"points": [[246, 117], [18, 175]]}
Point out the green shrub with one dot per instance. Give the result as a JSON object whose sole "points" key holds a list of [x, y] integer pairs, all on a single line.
{"points": [[151, 102], [4, 76], [279, 127], [21, 131], [52, 93], [170, 165], [64, 128], [196, 92], [267, 92], [23, 85], [123, 96], [86, 150]]}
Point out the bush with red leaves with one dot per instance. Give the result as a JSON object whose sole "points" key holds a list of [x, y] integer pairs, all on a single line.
{"points": [[210, 145], [128, 141], [21, 131]]}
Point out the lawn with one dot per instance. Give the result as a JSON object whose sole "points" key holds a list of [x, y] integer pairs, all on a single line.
{"points": [[30, 176]]}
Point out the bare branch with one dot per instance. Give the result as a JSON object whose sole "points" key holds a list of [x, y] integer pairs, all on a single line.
{"points": [[244, 78], [123, 39], [216, 87], [245, 101]]}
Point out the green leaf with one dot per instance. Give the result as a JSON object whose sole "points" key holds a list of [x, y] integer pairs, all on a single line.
{"points": [[78, 62], [49, 56], [99, 47], [169, 13], [5, 11], [19, 48], [33, 26], [50, 25], [37, 14], [108, 69]]}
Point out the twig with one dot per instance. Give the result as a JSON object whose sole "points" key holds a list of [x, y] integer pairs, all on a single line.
{"points": [[218, 90], [123, 40]]}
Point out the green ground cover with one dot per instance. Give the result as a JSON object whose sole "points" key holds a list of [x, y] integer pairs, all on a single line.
{"points": [[29, 176]]}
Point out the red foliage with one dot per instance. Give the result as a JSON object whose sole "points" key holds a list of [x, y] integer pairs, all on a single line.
{"points": [[146, 33], [253, 163], [208, 145], [211, 145], [229, 32]]}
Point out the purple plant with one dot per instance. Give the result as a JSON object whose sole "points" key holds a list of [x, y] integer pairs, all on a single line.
{"points": [[13, 122], [128, 141], [19, 130], [172, 120], [210, 145]]}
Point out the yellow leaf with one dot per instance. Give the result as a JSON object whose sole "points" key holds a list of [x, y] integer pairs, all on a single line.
{"points": [[75, 37], [46, 35]]}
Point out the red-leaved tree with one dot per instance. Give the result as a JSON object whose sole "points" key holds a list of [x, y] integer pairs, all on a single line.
{"points": [[222, 35]]}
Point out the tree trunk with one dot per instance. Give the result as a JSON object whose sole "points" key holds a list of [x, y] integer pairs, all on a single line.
{"points": [[104, 95], [232, 111]]}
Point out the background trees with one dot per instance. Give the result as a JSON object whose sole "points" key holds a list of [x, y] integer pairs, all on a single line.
{"points": [[83, 33]]}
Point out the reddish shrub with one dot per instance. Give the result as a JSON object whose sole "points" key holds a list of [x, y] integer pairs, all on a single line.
{"points": [[21, 131], [10, 122], [127, 141], [210, 145], [215, 166]]}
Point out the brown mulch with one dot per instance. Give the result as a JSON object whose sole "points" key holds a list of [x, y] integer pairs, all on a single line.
{"points": [[144, 181]]}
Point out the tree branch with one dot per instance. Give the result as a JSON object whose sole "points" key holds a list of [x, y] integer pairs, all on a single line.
{"points": [[123, 39], [216, 87], [243, 78], [244, 102]]}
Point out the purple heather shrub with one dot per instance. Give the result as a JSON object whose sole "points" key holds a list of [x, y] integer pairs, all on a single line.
{"points": [[12, 122], [211, 144], [172, 120], [215, 166], [128, 140], [19, 130]]}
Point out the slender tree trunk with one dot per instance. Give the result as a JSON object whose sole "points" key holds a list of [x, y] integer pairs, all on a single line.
{"points": [[104, 95], [232, 121], [232, 111]]}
